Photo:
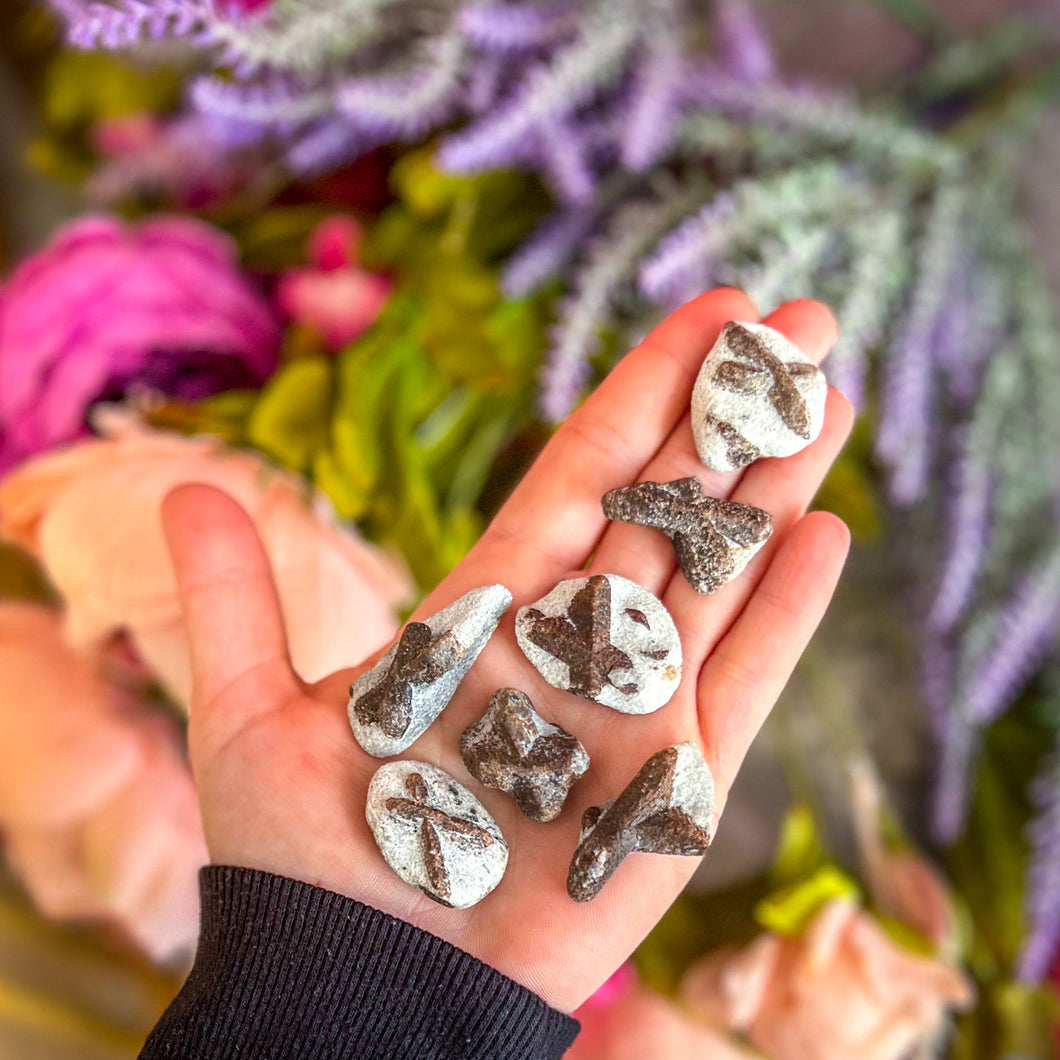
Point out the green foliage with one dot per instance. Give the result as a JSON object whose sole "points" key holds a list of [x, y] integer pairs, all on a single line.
{"points": [[406, 430], [83, 88]]}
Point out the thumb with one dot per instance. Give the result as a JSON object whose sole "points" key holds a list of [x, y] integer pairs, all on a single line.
{"points": [[231, 609]]}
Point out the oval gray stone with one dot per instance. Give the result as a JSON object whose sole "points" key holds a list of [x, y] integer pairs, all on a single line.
{"points": [[756, 395], [604, 638], [435, 834]]}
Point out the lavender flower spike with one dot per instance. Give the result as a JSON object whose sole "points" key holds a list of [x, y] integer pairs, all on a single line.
{"points": [[1043, 885], [745, 50], [1028, 629]]}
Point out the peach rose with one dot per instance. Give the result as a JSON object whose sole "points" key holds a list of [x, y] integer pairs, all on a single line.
{"points": [[842, 989], [91, 515], [97, 808]]}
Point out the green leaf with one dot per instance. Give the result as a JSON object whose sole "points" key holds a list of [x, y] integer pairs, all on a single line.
{"points": [[275, 238], [83, 87], [789, 911], [1009, 1020], [800, 852], [291, 418]]}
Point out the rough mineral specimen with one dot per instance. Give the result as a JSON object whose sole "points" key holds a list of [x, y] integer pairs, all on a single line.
{"points": [[392, 704], [668, 808], [757, 394], [513, 748], [435, 834], [713, 539], [605, 638]]}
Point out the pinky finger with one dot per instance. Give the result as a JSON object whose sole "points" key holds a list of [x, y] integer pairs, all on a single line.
{"points": [[747, 671]]}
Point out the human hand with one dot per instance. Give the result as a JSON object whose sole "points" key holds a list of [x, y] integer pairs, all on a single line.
{"points": [[282, 783]]}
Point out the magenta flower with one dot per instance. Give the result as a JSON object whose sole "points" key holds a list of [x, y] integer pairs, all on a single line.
{"points": [[105, 309], [335, 297]]}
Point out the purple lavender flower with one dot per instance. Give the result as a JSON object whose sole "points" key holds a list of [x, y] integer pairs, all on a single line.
{"points": [[1042, 943], [744, 47], [1028, 629], [104, 309], [970, 520], [654, 105]]}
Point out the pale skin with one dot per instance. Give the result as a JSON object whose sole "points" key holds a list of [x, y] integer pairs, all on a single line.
{"points": [[282, 782]]}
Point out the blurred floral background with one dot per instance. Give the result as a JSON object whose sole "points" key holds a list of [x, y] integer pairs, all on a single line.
{"points": [[352, 260]]}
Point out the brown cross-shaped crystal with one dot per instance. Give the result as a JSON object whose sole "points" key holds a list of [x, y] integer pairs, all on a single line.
{"points": [[506, 749], [642, 819], [432, 821], [700, 527], [420, 659], [764, 372], [582, 639]]}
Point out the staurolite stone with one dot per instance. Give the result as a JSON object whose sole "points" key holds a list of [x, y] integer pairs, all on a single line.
{"points": [[714, 539], [668, 808], [435, 834], [604, 638], [757, 394], [394, 702], [514, 749]]}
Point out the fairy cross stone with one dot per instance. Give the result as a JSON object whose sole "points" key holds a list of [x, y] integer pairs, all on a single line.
{"points": [[667, 808], [762, 372], [420, 660], [713, 539], [432, 821], [757, 394], [514, 749], [583, 639]]}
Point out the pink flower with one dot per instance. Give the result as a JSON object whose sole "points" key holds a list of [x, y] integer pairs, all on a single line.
{"points": [[91, 515], [334, 296], [97, 807], [624, 1020], [843, 989], [902, 883], [105, 308]]}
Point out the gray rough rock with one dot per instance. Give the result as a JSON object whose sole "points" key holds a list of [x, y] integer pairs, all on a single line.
{"points": [[604, 638], [514, 749], [714, 539], [393, 703], [757, 394], [667, 808], [435, 834]]}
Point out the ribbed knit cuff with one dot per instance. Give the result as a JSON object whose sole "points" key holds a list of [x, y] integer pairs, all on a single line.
{"points": [[285, 969]]}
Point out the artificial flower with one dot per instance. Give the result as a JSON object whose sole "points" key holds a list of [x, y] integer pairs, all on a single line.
{"points": [[97, 807], [841, 989], [105, 309], [91, 515], [334, 295]]}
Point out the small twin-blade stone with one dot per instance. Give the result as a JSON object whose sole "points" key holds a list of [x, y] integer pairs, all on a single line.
{"points": [[668, 808], [514, 749], [435, 834], [394, 702], [604, 638], [757, 394], [714, 539]]}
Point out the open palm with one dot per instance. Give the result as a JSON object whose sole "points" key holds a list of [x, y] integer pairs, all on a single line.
{"points": [[282, 782]]}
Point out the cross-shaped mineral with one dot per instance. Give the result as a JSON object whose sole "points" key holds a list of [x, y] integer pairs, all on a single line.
{"points": [[395, 701], [514, 749], [434, 833], [757, 394], [604, 638], [667, 808], [713, 539]]}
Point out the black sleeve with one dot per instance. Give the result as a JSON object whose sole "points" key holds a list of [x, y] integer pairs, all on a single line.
{"points": [[285, 969]]}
